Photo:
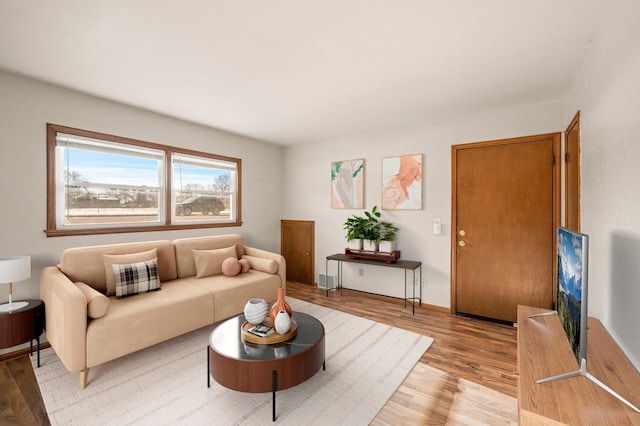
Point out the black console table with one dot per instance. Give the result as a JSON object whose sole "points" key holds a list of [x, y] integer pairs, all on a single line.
{"points": [[402, 264]]}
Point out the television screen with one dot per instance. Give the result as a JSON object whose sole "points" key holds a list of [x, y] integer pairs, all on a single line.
{"points": [[572, 288], [573, 261]]}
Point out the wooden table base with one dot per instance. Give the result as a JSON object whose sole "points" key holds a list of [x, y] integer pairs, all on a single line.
{"points": [[256, 368]]}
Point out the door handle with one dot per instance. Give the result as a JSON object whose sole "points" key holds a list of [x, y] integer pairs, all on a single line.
{"points": [[307, 254], [462, 243]]}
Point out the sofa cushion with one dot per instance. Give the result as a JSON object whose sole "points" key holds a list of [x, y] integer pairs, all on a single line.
{"points": [[134, 323], [184, 256], [261, 264], [121, 259], [209, 262], [230, 294], [97, 303], [86, 264], [134, 278]]}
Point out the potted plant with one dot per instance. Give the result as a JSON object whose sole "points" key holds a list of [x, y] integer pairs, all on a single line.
{"points": [[355, 231], [367, 232], [371, 233], [388, 232]]}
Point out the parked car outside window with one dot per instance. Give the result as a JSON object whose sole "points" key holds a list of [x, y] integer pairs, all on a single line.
{"points": [[204, 205]]}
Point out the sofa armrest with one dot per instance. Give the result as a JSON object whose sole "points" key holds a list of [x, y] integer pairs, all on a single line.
{"points": [[282, 265], [65, 317]]}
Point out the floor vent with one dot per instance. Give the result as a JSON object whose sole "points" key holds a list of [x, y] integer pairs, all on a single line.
{"points": [[324, 280]]}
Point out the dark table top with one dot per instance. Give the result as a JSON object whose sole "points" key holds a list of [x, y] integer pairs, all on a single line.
{"points": [[226, 339], [400, 263], [31, 303]]}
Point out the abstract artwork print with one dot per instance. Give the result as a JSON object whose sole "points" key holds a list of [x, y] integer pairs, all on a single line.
{"points": [[347, 184], [402, 182]]}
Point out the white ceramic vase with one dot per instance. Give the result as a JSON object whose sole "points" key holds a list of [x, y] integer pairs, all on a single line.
{"points": [[282, 322], [256, 310]]}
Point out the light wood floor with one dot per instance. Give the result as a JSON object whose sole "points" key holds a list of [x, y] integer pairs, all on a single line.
{"points": [[464, 350]]}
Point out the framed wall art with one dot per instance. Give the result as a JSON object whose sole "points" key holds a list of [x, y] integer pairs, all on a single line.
{"points": [[402, 182], [347, 184]]}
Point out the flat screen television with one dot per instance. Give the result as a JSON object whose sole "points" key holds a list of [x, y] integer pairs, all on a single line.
{"points": [[571, 303], [571, 283]]}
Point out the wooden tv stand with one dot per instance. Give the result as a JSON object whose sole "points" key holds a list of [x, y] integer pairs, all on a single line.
{"points": [[544, 351]]}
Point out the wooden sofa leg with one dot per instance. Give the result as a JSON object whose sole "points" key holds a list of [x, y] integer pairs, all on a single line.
{"points": [[84, 375]]}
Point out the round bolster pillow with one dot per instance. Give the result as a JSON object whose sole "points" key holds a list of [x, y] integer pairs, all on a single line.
{"points": [[262, 264], [97, 303]]}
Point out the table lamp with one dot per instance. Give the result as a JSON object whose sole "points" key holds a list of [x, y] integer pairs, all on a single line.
{"points": [[12, 269]]}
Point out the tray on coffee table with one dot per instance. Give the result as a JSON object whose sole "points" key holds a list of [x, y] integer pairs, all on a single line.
{"points": [[275, 337]]}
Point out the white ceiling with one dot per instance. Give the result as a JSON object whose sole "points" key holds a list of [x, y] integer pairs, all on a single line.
{"points": [[297, 71]]}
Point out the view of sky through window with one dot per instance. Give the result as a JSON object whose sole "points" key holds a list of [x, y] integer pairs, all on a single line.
{"points": [[101, 167]]}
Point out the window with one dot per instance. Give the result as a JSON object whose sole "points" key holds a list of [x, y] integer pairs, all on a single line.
{"points": [[203, 187], [100, 183]]}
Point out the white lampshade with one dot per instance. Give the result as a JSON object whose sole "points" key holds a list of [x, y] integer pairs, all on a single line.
{"points": [[12, 269], [15, 268]]}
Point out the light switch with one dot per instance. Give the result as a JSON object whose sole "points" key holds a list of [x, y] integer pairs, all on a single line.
{"points": [[437, 227]]}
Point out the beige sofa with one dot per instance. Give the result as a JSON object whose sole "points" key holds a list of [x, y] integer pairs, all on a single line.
{"points": [[86, 328]]}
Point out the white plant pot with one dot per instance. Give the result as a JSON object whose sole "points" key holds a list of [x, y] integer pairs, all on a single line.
{"points": [[355, 244], [370, 245], [387, 246]]}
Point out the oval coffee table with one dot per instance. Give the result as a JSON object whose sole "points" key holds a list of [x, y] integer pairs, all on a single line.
{"points": [[254, 368]]}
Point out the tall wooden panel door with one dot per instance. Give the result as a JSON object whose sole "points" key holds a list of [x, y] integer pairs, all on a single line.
{"points": [[504, 215], [296, 245], [572, 174]]}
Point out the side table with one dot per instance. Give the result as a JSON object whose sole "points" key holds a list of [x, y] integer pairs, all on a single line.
{"points": [[407, 265], [23, 325]]}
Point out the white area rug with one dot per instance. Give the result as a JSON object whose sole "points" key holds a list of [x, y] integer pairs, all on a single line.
{"points": [[167, 384]]}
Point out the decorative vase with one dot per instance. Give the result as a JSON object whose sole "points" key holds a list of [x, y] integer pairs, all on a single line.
{"points": [[282, 323], [255, 311], [279, 305]]}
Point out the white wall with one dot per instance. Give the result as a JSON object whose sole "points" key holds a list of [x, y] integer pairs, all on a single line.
{"points": [[25, 108], [307, 190], [607, 92]]}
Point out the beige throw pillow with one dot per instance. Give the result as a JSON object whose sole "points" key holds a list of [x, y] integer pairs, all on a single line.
{"points": [[209, 262], [262, 264], [115, 259], [97, 303]]}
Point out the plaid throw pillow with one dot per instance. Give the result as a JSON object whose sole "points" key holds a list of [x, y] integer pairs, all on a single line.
{"points": [[134, 278]]}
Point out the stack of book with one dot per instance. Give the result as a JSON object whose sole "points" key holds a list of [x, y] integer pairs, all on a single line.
{"points": [[261, 330]]}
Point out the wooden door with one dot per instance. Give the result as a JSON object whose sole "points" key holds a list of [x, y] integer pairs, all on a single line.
{"points": [[504, 215], [572, 174], [296, 245]]}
